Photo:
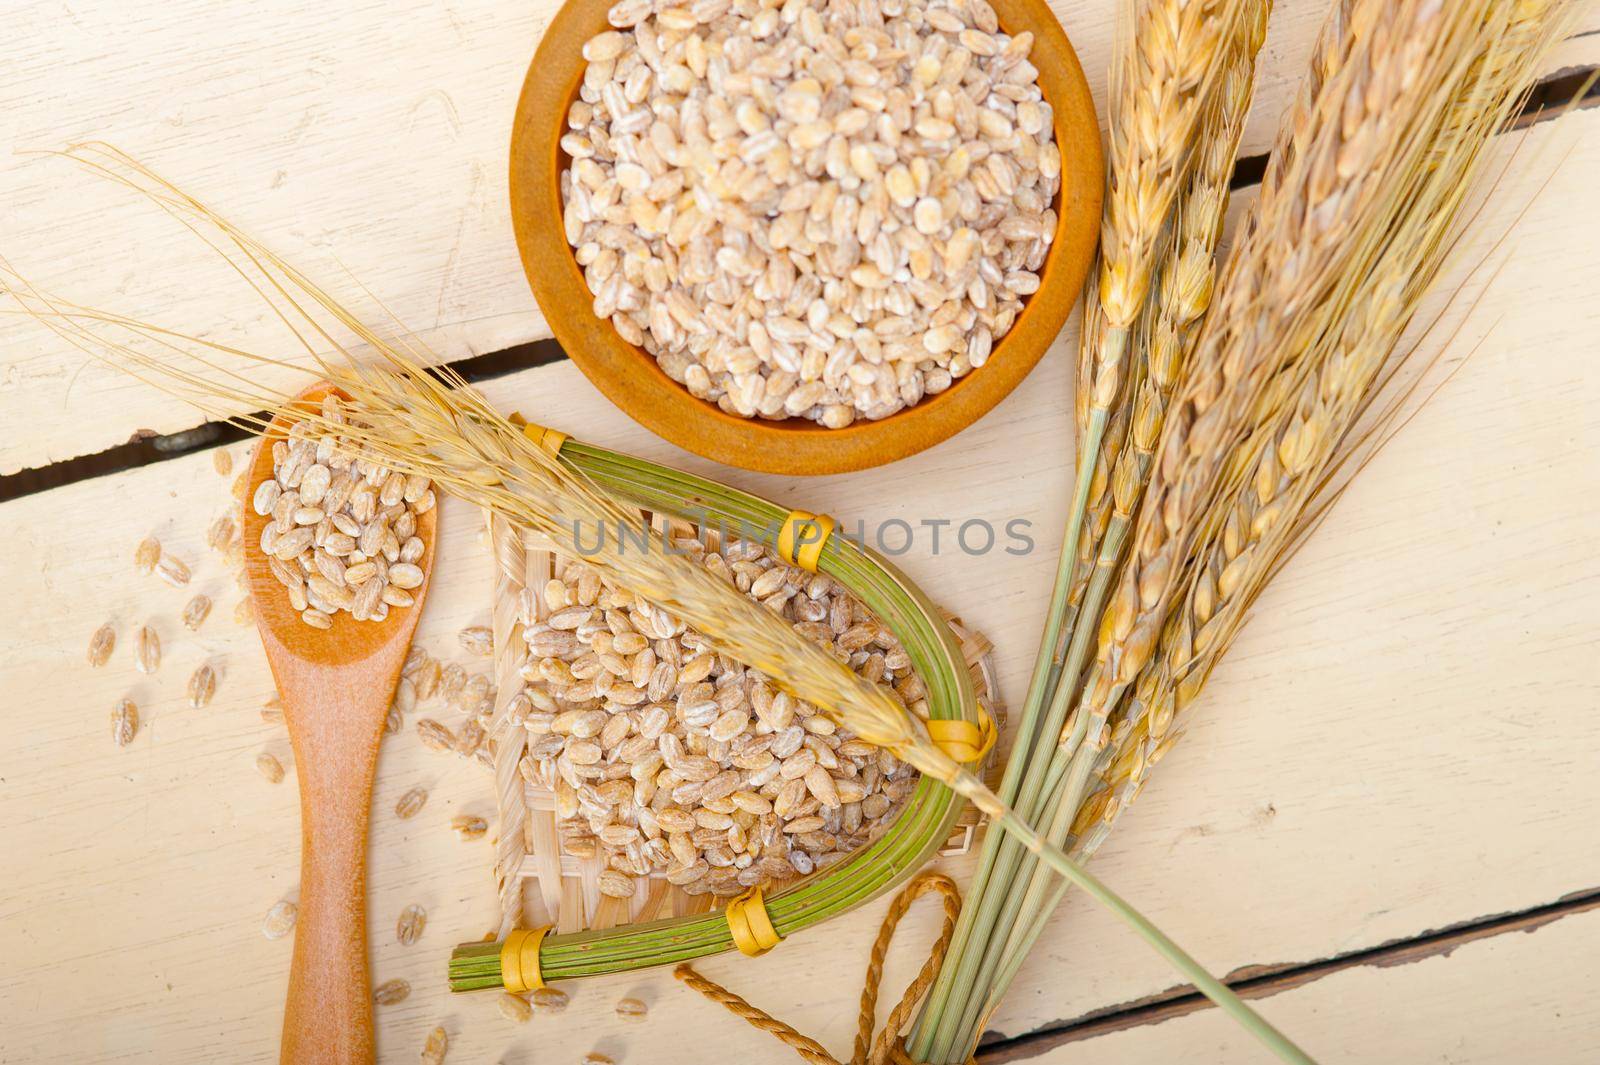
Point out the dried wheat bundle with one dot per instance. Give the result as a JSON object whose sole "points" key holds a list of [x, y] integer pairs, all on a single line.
{"points": [[1185, 70], [1357, 212]]}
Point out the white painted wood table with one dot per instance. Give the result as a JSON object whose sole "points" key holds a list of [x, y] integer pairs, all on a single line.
{"points": [[1392, 776]]}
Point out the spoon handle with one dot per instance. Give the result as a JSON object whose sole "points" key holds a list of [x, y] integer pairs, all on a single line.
{"points": [[335, 724]]}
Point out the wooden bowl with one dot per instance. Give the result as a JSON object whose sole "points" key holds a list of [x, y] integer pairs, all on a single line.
{"points": [[630, 377]]}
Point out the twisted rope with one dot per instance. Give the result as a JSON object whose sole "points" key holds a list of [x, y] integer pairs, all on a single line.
{"points": [[887, 1049]]}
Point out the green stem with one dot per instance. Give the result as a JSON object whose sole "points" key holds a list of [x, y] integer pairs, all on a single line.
{"points": [[1215, 990], [1004, 951], [995, 951], [1038, 906], [996, 862]]}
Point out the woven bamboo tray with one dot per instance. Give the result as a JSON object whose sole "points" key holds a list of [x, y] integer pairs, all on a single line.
{"points": [[540, 886]]}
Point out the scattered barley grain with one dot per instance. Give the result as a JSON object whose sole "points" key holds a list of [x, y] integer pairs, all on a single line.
{"points": [[515, 1008], [101, 644], [411, 803], [147, 555], [391, 991], [202, 686], [413, 919], [146, 650], [269, 767], [436, 1047], [195, 612], [279, 921], [468, 827], [124, 722]]}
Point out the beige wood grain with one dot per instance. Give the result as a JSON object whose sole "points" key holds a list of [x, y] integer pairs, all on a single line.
{"points": [[1402, 740], [363, 134], [1509, 999]]}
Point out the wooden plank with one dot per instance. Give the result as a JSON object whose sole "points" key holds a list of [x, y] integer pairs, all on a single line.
{"points": [[1521, 996], [363, 135], [1272, 982], [1402, 741]]}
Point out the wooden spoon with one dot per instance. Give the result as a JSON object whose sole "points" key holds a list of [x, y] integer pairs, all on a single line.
{"points": [[336, 686]]}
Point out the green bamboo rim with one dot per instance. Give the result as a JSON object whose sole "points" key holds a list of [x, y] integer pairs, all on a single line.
{"points": [[922, 827]]}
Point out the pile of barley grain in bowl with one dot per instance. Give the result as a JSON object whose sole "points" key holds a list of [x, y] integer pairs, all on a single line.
{"points": [[810, 209], [343, 534], [669, 760]]}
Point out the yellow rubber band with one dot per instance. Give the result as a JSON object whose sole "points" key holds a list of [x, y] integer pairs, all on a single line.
{"points": [[751, 925], [547, 438], [519, 960], [801, 538], [965, 741]]}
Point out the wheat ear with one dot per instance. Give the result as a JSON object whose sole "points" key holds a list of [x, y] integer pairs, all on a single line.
{"points": [[1267, 506], [1269, 509], [1184, 80]]}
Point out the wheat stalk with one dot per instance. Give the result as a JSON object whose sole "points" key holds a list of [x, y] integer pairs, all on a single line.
{"points": [[1182, 298], [1182, 93], [1171, 54], [1301, 420], [1123, 462], [1272, 502], [1161, 77], [1339, 147], [1345, 152]]}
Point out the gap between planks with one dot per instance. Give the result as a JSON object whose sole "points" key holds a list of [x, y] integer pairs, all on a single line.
{"points": [[1571, 89], [147, 447], [1264, 981]]}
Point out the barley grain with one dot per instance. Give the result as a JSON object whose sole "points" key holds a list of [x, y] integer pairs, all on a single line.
{"points": [[195, 612], [391, 991], [147, 555], [173, 570], [615, 884], [918, 232], [342, 531], [436, 1047], [427, 680], [666, 704], [550, 1000], [269, 767], [468, 827], [202, 686], [413, 919], [146, 650], [124, 722], [411, 803], [469, 737], [514, 1008], [279, 920], [434, 736], [452, 678], [477, 640], [221, 534], [101, 643]]}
